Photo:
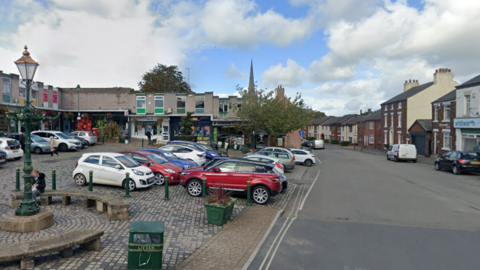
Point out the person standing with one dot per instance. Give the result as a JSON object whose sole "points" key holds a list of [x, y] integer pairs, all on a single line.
{"points": [[38, 185], [22, 140], [53, 146], [149, 136], [127, 135]]}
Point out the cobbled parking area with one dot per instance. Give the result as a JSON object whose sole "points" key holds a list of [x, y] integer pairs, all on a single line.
{"points": [[186, 227]]}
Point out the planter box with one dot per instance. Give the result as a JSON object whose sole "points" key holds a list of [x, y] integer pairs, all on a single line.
{"points": [[219, 215]]}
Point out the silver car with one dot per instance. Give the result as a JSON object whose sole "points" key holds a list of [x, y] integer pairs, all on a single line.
{"points": [[86, 135], [39, 145]]}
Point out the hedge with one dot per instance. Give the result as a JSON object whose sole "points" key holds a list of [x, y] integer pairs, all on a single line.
{"points": [[311, 138], [344, 143], [334, 142], [326, 141]]}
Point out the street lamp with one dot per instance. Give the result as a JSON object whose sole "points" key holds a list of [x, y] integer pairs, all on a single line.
{"points": [[27, 114], [78, 101]]}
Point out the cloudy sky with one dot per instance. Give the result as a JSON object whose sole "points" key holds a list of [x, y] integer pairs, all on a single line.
{"points": [[342, 55]]}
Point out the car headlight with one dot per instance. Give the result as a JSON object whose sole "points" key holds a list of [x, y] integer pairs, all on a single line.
{"points": [[185, 173], [170, 170], [137, 172]]}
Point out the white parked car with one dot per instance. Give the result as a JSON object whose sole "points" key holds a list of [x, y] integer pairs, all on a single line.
{"points": [[87, 135], [398, 152], [110, 169], [275, 161], [11, 147], [318, 144], [187, 152], [303, 157], [277, 149], [63, 142]]}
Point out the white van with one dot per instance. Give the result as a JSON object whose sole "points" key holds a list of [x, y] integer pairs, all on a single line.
{"points": [[398, 152], [318, 144]]}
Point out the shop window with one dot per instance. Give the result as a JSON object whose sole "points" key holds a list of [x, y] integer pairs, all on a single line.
{"points": [[159, 104], [7, 90], [199, 104], [141, 104], [180, 104]]}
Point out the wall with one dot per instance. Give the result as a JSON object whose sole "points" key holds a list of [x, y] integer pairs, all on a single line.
{"points": [[441, 125], [209, 109], [99, 98]]}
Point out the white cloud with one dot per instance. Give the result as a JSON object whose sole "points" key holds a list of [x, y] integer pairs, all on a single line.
{"points": [[233, 72], [291, 75], [327, 69]]}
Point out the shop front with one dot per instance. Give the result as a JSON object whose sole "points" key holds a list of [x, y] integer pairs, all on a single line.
{"points": [[468, 133], [158, 126]]}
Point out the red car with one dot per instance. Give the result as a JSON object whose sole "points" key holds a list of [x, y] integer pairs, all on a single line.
{"points": [[160, 166], [233, 175]]}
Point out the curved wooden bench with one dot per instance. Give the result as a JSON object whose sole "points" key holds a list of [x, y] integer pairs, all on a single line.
{"points": [[64, 244], [116, 207]]}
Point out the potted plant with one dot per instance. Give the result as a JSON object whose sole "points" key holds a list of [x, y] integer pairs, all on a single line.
{"points": [[219, 205]]}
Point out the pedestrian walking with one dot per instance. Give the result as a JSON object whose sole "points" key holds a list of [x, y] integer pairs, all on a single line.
{"points": [[214, 145], [53, 146], [149, 136], [38, 185], [22, 140]]}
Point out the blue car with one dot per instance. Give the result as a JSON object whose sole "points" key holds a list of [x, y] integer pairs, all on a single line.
{"points": [[184, 163], [3, 157], [210, 152]]}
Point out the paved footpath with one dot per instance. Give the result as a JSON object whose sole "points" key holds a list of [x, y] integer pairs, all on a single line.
{"points": [[232, 247]]}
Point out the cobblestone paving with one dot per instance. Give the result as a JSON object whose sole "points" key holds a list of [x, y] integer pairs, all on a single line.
{"points": [[186, 227]]}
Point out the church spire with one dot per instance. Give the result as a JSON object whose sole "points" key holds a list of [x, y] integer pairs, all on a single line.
{"points": [[251, 84]]}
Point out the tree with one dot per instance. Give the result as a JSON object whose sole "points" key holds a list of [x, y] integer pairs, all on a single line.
{"points": [[164, 79], [263, 112], [186, 125], [316, 114]]}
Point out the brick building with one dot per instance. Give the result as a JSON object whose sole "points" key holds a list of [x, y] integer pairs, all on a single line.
{"points": [[334, 126], [467, 118], [371, 131], [400, 112], [444, 112], [319, 128]]}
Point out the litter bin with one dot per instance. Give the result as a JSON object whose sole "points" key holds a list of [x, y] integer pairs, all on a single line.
{"points": [[145, 245]]}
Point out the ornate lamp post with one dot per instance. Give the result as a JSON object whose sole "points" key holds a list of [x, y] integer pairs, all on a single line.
{"points": [[26, 115], [78, 101]]}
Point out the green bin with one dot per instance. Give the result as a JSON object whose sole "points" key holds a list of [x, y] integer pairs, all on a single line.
{"points": [[145, 245]]}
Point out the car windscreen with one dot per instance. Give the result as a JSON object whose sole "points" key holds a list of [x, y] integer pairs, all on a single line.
{"points": [[127, 162], [11, 142], [157, 159], [61, 135], [169, 154], [37, 139], [205, 147]]}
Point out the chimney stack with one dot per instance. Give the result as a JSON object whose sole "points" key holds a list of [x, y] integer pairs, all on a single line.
{"points": [[442, 75], [409, 84]]}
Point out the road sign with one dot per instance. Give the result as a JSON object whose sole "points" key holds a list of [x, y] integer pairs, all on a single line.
{"points": [[302, 133]]}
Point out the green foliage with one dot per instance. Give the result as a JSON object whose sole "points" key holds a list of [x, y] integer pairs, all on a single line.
{"points": [[100, 123], [186, 125], [111, 130], [263, 112], [311, 138], [219, 196], [326, 141], [334, 141], [344, 143], [164, 79], [316, 114]]}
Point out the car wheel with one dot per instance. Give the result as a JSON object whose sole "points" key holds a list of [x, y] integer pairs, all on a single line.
{"points": [[456, 170], [308, 163], [131, 184], [437, 166], [80, 179], [63, 147], [261, 195], [414, 161], [37, 150], [159, 179], [396, 159], [17, 158], [195, 188]]}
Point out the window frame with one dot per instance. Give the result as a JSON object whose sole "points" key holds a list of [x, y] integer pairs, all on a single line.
{"points": [[143, 109], [435, 113], [159, 110], [447, 145], [446, 116], [199, 100]]}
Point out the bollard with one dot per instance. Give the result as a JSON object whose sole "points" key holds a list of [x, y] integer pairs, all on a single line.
{"points": [[166, 188], [127, 186], [249, 194], [54, 179], [103, 140], [204, 187], [17, 179], [90, 181], [142, 142]]}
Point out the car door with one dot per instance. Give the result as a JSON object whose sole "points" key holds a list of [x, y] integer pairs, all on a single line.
{"points": [[92, 163], [453, 157], [445, 160], [110, 174], [224, 177], [300, 156], [243, 172]]}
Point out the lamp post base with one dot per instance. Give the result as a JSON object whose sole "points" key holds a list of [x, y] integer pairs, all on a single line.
{"points": [[27, 208]]}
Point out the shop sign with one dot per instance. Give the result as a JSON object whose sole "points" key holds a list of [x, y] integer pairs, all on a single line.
{"points": [[466, 123], [45, 94]]}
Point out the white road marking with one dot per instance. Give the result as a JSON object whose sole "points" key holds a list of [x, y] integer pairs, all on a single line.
{"points": [[310, 189], [319, 161]]}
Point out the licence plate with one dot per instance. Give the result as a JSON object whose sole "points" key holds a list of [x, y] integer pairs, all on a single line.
{"points": [[151, 180], [475, 162], [404, 155], [2, 160], [15, 151]]}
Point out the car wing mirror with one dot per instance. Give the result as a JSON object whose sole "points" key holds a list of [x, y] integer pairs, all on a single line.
{"points": [[216, 169], [147, 164], [118, 167]]}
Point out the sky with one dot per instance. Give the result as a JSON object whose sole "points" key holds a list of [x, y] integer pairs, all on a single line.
{"points": [[341, 55]]}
